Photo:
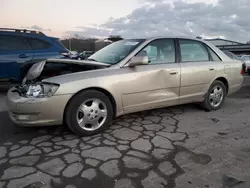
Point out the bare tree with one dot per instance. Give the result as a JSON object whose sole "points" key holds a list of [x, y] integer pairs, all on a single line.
{"points": [[114, 38], [79, 44]]}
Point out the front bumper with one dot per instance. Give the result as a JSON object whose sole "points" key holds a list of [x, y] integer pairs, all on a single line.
{"points": [[36, 111]]}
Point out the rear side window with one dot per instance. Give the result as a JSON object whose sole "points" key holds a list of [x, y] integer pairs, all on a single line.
{"points": [[193, 51], [214, 56], [57, 41], [13, 43], [229, 54], [37, 44]]}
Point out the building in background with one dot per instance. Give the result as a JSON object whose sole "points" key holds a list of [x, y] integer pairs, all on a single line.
{"points": [[235, 47], [222, 42]]}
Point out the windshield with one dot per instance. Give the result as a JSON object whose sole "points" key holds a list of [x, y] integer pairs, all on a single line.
{"points": [[116, 51]]}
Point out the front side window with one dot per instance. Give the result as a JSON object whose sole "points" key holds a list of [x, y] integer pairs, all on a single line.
{"points": [[13, 43], [117, 51], [193, 51], [160, 51]]}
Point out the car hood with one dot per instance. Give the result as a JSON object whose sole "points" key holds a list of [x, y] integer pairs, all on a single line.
{"points": [[36, 69]]}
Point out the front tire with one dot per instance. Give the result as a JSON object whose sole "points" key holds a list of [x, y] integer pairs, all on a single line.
{"points": [[88, 113], [215, 96]]}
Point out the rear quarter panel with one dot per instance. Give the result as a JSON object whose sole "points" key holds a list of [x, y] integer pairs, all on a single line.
{"points": [[231, 71], [233, 75]]}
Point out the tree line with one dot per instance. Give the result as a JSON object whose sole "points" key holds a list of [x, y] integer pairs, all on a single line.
{"points": [[80, 44]]}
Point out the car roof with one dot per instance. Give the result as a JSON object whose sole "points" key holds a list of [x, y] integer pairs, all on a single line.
{"points": [[220, 53], [22, 32], [160, 37], [176, 37]]}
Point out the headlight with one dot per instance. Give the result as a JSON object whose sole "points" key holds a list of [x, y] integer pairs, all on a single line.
{"points": [[41, 90]]}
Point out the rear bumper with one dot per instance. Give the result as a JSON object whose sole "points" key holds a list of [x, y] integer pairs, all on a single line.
{"points": [[234, 88], [36, 111]]}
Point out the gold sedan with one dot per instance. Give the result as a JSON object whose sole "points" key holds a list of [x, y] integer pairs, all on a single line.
{"points": [[124, 77]]}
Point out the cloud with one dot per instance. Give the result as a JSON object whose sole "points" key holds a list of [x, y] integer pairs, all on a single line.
{"points": [[226, 18], [36, 27], [94, 32]]}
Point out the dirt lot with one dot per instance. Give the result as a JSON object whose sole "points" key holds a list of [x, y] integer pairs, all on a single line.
{"points": [[181, 147]]}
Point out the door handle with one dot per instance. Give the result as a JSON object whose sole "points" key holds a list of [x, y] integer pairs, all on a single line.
{"points": [[211, 69], [23, 56], [173, 72]]}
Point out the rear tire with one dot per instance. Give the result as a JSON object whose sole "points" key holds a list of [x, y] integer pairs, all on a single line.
{"points": [[215, 96], [88, 113]]}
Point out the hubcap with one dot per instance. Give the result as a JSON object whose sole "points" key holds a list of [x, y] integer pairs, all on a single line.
{"points": [[91, 114], [216, 96]]}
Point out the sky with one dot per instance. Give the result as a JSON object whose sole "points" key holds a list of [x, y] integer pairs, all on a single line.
{"points": [[227, 19]]}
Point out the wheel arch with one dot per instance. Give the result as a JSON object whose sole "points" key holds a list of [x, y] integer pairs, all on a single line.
{"points": [[224, 81], [104, 91]]}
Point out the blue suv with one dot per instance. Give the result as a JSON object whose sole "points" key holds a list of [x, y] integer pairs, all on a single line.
{"points": [[20, 49]]}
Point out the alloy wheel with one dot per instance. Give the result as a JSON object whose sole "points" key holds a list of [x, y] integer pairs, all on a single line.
{"points": [[92, 114], [216, 96]]}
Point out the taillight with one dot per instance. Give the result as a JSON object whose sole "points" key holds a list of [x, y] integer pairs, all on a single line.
{"points": [[242, 71]]}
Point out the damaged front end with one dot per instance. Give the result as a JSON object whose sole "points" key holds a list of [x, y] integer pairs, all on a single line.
{"points": [[56, 67], [36, 90], [32, 85]]}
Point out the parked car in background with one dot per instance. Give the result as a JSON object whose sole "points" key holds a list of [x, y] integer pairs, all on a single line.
{"points": [[20, 49], [121, 78], [235, 57], [246, 58], [83, 55]]}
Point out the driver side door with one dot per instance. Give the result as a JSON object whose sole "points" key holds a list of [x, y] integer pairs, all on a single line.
{"points": [[156, 84]]}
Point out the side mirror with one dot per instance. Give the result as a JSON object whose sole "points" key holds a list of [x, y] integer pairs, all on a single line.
{"points": [[138, 60]]}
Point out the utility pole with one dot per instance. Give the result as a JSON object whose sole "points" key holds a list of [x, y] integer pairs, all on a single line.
{"points": [[70, 42]]}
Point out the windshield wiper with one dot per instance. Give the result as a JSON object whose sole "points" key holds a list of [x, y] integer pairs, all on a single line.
{"points": [[92, 59]]}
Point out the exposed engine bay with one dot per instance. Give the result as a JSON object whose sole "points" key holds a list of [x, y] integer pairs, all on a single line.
{"points": [[57, 67], [51, 68]]}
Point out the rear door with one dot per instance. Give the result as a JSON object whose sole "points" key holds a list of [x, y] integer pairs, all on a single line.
{"points": [[41, 48], [44, 48], [14, 52], [199, 67]]}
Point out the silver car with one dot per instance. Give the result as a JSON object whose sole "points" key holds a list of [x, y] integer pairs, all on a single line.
{"points": [[124, 77]]}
